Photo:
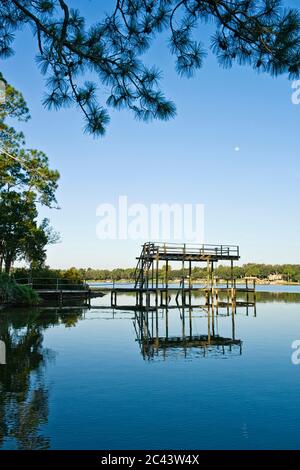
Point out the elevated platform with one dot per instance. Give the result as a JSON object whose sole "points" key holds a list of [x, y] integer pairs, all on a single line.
{"points": [[152, 254], [189, 252]]}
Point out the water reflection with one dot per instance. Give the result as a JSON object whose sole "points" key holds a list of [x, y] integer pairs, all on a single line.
{"points": [[161, 333], [23, 391], [157, 341], [42, 406], [286, 297]]}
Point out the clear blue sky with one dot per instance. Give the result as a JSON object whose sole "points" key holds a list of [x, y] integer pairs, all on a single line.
{"points": [[251, 197]]}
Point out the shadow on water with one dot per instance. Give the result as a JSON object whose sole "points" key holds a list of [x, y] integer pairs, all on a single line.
{"points": [[23, 391]]}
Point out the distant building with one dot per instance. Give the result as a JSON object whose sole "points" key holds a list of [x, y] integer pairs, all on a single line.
{"points": [[275, 277]]}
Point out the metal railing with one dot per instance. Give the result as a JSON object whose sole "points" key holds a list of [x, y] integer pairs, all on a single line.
{"points": [[152, 249], [55, 284]]}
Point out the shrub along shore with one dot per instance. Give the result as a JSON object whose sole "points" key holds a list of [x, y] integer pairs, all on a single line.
{"points": [[12, 293]]}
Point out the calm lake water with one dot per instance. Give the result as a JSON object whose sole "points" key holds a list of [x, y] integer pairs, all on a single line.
{"points": [[95, 379]]}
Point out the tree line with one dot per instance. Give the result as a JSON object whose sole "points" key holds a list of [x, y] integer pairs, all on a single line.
{"points": [[287, 272]]}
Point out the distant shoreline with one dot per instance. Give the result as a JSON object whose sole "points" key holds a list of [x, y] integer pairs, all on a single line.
{"points": [[262, 282]]}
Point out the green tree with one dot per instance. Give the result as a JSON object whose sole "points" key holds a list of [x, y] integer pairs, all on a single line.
{"points": [[252, 269], [73, 275], [165, 272], [21, 237], [25, 181], [259, 33], [289, 272], [20, 168]]}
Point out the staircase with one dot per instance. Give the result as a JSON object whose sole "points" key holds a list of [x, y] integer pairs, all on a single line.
{"points": [[143, 265]]}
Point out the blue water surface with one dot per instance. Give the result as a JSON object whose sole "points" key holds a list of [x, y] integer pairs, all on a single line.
{"points": [[82, 380]]}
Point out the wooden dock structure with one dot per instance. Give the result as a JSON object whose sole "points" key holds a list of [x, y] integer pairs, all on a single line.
{"points": [[147, 285], [150, 291]]}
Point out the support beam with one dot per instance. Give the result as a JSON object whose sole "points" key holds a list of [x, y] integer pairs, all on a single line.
{"points": [[167, 281]]}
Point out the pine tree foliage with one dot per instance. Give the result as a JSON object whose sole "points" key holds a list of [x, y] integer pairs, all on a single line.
{"points": [[25, 181], [261, 33]]}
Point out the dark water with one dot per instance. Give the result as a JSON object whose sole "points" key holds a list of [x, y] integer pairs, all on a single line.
{"points": [[82, 380]]}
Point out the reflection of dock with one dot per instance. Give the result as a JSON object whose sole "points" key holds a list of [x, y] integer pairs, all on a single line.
{"points": [[152, 332], [192, 341]]}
